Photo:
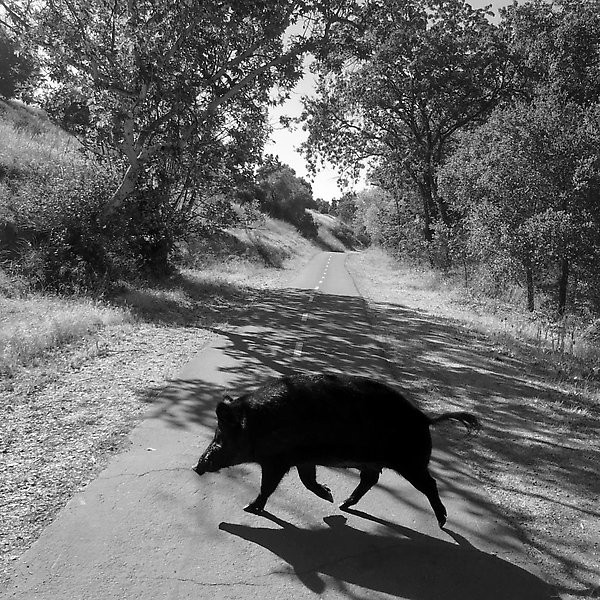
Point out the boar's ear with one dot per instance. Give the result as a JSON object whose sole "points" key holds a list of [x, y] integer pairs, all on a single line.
{"points": [[229, 414]]}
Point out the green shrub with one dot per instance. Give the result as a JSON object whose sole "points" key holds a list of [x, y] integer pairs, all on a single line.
{"points": [[58, 242]]}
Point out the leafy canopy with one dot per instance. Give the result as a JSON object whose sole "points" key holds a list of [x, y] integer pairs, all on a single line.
{"points": [[398, 85], [162, 79]]}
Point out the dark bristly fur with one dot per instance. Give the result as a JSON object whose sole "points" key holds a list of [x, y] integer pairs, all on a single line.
{"points": [[341, 421]]}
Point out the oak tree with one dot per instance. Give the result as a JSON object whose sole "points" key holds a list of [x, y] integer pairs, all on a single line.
{"points": [[526, 186], [399, 83], [163, 79]]}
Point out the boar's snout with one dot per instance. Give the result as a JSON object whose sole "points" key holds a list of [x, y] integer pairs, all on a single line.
{"points": [[209, 462], [200, 468]]}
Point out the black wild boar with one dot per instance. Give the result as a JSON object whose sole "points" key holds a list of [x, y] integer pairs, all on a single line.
{"points": [[306, 420]]}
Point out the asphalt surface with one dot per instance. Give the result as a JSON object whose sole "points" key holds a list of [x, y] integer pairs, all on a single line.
{"points": [[148, 527]]}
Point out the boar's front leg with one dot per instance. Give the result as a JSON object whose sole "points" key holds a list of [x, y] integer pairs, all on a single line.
{"points": [[368, 478], [272, 474], [308, 476]]}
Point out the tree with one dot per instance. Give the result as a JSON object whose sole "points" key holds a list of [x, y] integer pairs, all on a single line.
{"points": [[557, 46], [162, 79], [526, 185], [401, 81], [346, 207], [284, 195], [16, 66], [322, 206], [173, 96]]}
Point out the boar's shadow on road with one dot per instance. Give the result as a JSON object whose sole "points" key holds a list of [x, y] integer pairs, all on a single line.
{"points": [[394, 560]]}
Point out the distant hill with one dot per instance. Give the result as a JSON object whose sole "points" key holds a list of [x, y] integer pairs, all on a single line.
{"points": [[334, 235], [270, 241]]}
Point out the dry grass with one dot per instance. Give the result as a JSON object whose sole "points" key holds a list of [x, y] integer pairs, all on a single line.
{"points": [[61, 420], [539, 451], [30, 327], [29, 141], [567, 345]]}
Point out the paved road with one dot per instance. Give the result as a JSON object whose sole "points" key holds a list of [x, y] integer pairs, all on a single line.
{"points": [[149, 528]]}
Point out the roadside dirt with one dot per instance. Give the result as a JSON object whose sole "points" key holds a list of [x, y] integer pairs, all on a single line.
{"points": [[61, 422], [538, 453]]}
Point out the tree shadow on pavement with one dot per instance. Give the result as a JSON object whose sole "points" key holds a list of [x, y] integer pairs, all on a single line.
{"points": [[442, 367], [262, 343], [393, 560]]}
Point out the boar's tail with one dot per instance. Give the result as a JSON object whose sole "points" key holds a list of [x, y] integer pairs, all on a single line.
{"points": [[471, 422]]}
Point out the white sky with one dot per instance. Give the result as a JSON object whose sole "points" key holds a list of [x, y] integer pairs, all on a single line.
{"points": [[285, 142]]}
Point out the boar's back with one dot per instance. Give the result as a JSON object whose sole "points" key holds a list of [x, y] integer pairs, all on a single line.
{"points": [[335, 420]]}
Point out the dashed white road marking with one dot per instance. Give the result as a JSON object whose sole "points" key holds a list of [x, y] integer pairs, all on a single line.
{"points": [[298, 349]]}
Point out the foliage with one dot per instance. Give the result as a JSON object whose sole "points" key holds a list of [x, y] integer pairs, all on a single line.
{"points": [[388, 220], [397, 87], [282, 194], [58, 242], [526, 186], [556, 43], [172, 96], [346, 207], [17, 68], [322, 206], [160, 80]]}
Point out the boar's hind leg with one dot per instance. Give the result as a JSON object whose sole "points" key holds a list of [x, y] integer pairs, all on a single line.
{"points": [[368, 478], [308, 476], [272, 474], [424, 482]]}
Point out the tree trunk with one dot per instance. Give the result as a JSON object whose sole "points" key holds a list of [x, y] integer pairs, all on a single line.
{"points": [[124, 191], [530, 289], [427, 232], [435, 202], [563, 283]]}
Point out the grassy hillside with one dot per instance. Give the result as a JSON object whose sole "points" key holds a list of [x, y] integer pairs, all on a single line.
{"points": [[334, 235], [30, 141], [34, 324]]}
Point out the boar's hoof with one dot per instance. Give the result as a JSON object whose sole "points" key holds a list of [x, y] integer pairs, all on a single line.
{"points": [[441, 514], [254, 508]]}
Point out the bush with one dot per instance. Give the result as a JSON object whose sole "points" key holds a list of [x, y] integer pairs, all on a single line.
{"points": [[57, 242], [306, 225]]}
